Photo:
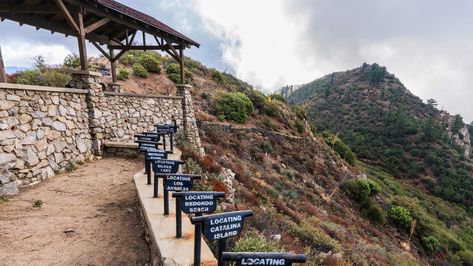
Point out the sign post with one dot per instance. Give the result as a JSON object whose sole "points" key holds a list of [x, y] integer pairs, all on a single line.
{"points": [[263, 258], [220, 227], [176, 182], [194, 202], [144, 145], [168, 129]]}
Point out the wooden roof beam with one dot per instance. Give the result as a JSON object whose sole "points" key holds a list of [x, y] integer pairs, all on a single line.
{"points": [[36, 9], [102, 51], [131, 24], [67, 15], [142, 47], [97, 25]]}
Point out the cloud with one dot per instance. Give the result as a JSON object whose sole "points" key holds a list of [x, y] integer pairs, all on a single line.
{"points": [[259, 40], [271, 43], [427, 45]]}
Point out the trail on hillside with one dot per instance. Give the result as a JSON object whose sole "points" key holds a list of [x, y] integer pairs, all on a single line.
{"points": [[88, 217]]}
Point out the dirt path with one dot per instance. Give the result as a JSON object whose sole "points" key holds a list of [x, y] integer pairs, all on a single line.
{"points": [[88, 217]]}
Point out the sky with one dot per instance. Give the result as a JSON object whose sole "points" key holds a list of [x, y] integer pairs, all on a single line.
{"points": [[427, 44]]}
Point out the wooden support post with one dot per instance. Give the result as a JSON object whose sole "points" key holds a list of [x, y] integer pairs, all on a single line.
{"points": [[81, 40], [3, 75], [113, 67], [181, 54]]}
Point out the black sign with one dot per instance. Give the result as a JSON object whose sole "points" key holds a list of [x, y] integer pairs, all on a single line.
{"points": [[156, 155], [152, 150], [265, 259], [179, 182], [166, 166], [166, 130], [198, 201], [222, 225]]}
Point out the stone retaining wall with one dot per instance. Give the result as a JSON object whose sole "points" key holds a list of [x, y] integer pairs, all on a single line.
{"points": [[122, 115], [43, 130]]}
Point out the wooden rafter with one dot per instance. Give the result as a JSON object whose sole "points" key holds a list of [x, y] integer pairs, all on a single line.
{"points": [[142, 47], [67, 15], [124, 49], [101, 50], [96, 25]]}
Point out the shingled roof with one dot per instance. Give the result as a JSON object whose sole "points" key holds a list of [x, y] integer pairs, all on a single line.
{"points": [[122, 22], [135, 14]]}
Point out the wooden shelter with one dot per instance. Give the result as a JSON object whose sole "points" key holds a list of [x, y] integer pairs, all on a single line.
{"points": [[113, 28]]}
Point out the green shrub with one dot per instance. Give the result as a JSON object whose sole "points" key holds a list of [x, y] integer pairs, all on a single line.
{"points": [[400, 216], [373, 212], [233, 106], [174, 73], [128, 59], [123, 74], [72, 61], [254, 241], [299, 126], [173, 68], [150, 63], [271, 109], [341, 148], [70, 167], [466, 234], [218, 77], [30, 77], [140, 71], [56, 78], [278, 97], [267, 147], [176, 78], [360, 189], [431, 244], [464, 258], [315, 237], [300, 112], [257, 98], [49, 77]]}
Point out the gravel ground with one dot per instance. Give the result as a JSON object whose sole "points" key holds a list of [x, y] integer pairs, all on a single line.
{"points": [[87, 217]]}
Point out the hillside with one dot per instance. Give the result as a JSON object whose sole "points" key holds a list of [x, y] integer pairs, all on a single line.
{"points": [[387, 125], [309, 193], [274, 164]]}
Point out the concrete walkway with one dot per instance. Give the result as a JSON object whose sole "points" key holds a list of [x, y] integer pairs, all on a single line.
{"points": [[168, 250]]}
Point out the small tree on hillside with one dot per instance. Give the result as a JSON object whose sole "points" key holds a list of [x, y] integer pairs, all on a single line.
{"points": [[377, 74], [457, 124], [39, 62], [72, 61], [432, 102]]}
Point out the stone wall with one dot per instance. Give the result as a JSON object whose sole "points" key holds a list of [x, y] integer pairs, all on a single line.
{"points": [[42, 130], [121, 115]]}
